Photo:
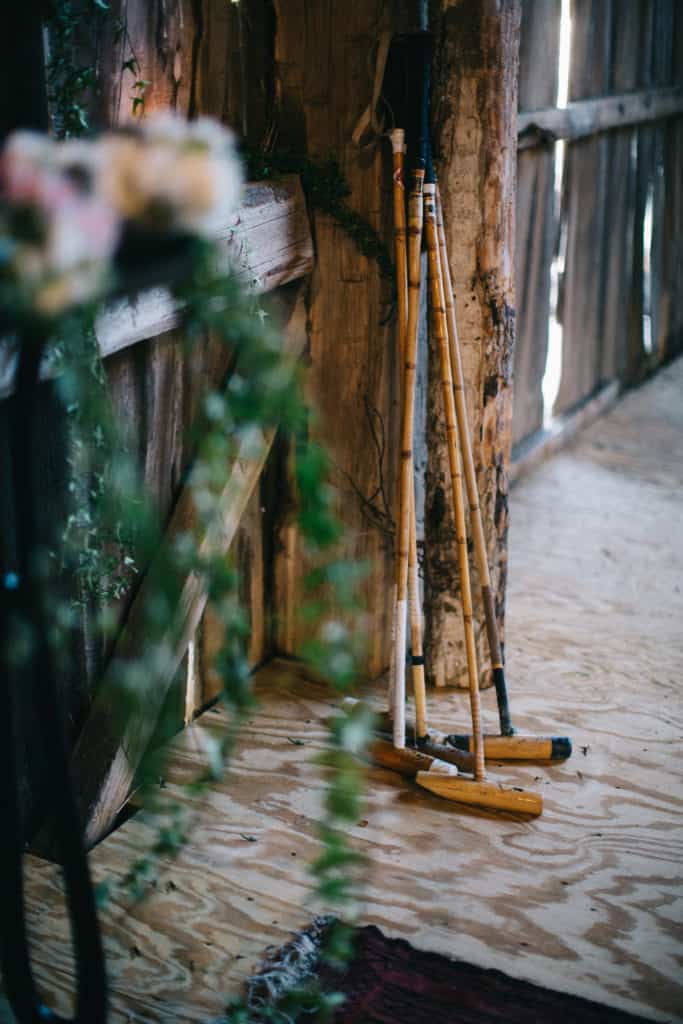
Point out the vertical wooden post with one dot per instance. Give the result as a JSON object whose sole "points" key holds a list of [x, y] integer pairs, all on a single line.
{"points": [[536, 227], [324, 79], [475, 133]]}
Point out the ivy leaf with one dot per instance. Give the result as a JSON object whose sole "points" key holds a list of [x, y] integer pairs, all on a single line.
{"points": [[102, 894]]}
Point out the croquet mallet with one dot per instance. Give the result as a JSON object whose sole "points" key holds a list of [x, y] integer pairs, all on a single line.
{"points": [[478, 791], [508, 745]]}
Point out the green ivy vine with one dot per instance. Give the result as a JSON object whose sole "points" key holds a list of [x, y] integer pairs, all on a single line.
{"points": [[113, 528], [264, 391], [327, 191]]}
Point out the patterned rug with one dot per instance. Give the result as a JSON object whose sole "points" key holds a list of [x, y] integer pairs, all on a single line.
{"points": [[390, 982]]}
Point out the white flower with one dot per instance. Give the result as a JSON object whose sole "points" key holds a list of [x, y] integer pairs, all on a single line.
{"points": [[27, 161], [174, 175], [61, 234], [62, 203]]}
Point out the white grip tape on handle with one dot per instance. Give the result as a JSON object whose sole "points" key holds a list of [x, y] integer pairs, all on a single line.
{"points": [[399, 702], [392, 658]]}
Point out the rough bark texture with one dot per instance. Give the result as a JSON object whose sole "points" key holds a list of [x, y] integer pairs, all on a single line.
{"points": [[475, 131]]}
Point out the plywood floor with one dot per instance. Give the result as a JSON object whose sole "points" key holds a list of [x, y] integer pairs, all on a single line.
{"points": [[587, 898]]}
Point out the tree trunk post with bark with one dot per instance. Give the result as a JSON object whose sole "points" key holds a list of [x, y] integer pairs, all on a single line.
{"points": [[474, 108]]}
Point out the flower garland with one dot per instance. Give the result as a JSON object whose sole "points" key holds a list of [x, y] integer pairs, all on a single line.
{"points": [[79, 222]]}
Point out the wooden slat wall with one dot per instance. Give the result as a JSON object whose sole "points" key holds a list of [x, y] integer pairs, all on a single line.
{"points": [[666, 307], [620, 199], [536, 229], [645, 163], [584, 208], [611, 180], [190, 53]]}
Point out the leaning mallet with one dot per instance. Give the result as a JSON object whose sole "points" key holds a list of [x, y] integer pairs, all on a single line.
{"points": [[482, 793], [417, 74], [443, 780], [397, 137], [509, 745]]}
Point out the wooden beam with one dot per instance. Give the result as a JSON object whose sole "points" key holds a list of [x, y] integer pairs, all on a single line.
{"points": [[535, 227], [109, 751], [268, 240], [588, 117]]}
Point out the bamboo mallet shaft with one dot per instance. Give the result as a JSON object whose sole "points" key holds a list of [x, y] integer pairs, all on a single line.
{"points": [[397, 137], [415, 215], [441, 335]]}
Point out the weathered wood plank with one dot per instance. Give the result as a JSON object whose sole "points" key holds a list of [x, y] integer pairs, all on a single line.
{"points": [[233, 81], [268, 240], [583, 203], [535, 227], [625, 73], [584, 118], [667, 208], [231, 71], [669, 337], [645, 169], [248, 559], [475, 108], [109, 751], [156, 387], [322, 55], [163, 39]]}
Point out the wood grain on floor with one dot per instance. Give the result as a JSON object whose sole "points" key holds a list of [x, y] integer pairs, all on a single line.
{"points": [[587, 898]]}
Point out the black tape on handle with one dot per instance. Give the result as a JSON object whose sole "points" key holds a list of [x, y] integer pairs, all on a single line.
{"points": [[407, 79], [418, 60]]}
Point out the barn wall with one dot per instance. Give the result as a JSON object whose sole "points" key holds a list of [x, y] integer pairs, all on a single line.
{"points": [[617, 288]]}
